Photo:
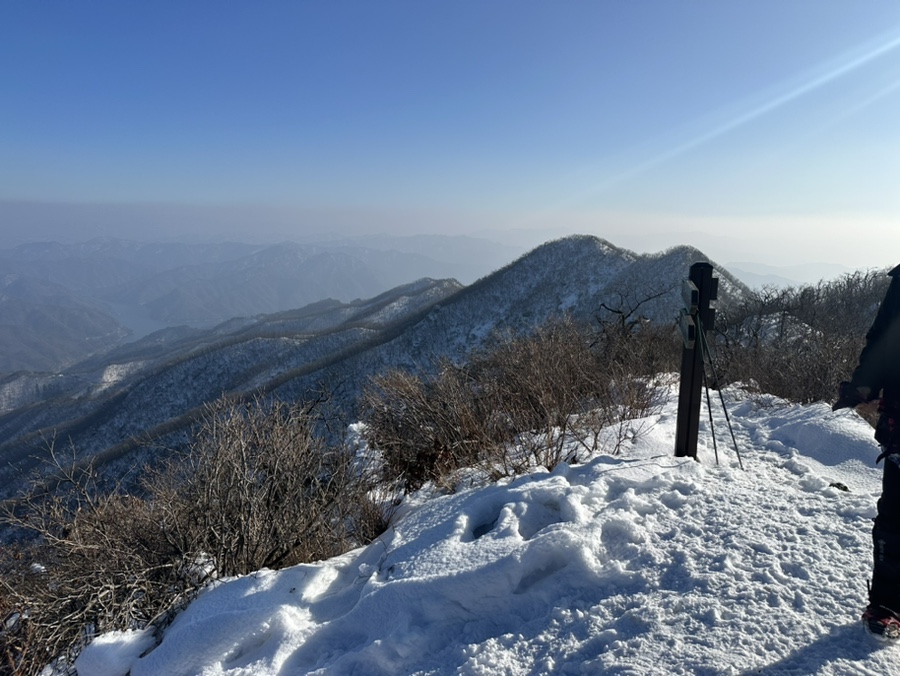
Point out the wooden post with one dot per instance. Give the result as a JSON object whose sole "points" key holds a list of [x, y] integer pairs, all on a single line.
{"points": [[699, 290]]}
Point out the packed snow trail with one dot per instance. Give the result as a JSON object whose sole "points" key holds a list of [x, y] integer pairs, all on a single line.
{"points": [[639, 563]]}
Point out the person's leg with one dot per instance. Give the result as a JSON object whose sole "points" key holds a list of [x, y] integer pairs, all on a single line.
{"points": [[885, 589]]}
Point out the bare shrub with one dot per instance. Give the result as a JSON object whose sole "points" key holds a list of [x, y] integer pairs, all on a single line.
{"points": [[18, 645], [798, 343], [425, 427], [523, 400], [634, 352], [538, 382], [100, 562], [256, 488]]}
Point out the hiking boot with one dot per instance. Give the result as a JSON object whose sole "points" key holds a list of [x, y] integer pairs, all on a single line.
{"points": [[882, 622]]}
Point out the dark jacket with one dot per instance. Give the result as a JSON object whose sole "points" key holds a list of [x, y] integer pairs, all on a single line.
{"points": [[879, 361]]}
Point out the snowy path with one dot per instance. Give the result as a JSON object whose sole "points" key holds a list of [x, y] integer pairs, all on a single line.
{"points": [[633, 564]]}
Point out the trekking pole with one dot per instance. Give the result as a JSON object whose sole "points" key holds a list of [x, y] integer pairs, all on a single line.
{"points": [[704, 347], [712, 428]]}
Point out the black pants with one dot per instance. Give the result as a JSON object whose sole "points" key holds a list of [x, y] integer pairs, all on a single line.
{"points": [[885, 588]]}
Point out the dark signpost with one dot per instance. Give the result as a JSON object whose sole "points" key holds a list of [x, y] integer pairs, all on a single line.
{"points": [[697, 317]]}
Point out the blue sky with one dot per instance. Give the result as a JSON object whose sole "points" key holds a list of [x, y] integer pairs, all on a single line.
{"points": [[769, 127]]}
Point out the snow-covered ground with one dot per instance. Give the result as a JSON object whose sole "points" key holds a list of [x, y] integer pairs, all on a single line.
{"points": [[639, 563]]}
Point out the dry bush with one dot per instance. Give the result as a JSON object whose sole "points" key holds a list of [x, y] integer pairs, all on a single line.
{"points": [[634, 353], [99, 562], [798, 343], [18, 645], [425, 427], [256, 488], [523, 400], [537, 384]]}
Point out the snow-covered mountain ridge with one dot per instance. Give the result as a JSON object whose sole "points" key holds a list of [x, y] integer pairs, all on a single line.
{"points": [[639, 563], [142, 392], [106, 409]]}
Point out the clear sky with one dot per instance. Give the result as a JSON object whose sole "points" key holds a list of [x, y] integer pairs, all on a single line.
{"points": [[769, 128]]}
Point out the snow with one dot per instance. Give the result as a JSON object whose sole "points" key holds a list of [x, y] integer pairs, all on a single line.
{"points": [[112, 654], [638, 563], [116, 373]]}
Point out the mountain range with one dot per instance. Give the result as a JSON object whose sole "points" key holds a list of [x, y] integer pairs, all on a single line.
{"points": [[113, 407], [60, 303]]}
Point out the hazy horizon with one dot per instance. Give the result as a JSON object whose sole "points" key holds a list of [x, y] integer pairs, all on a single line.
{"points": [[68, 223], [762, 132]]}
